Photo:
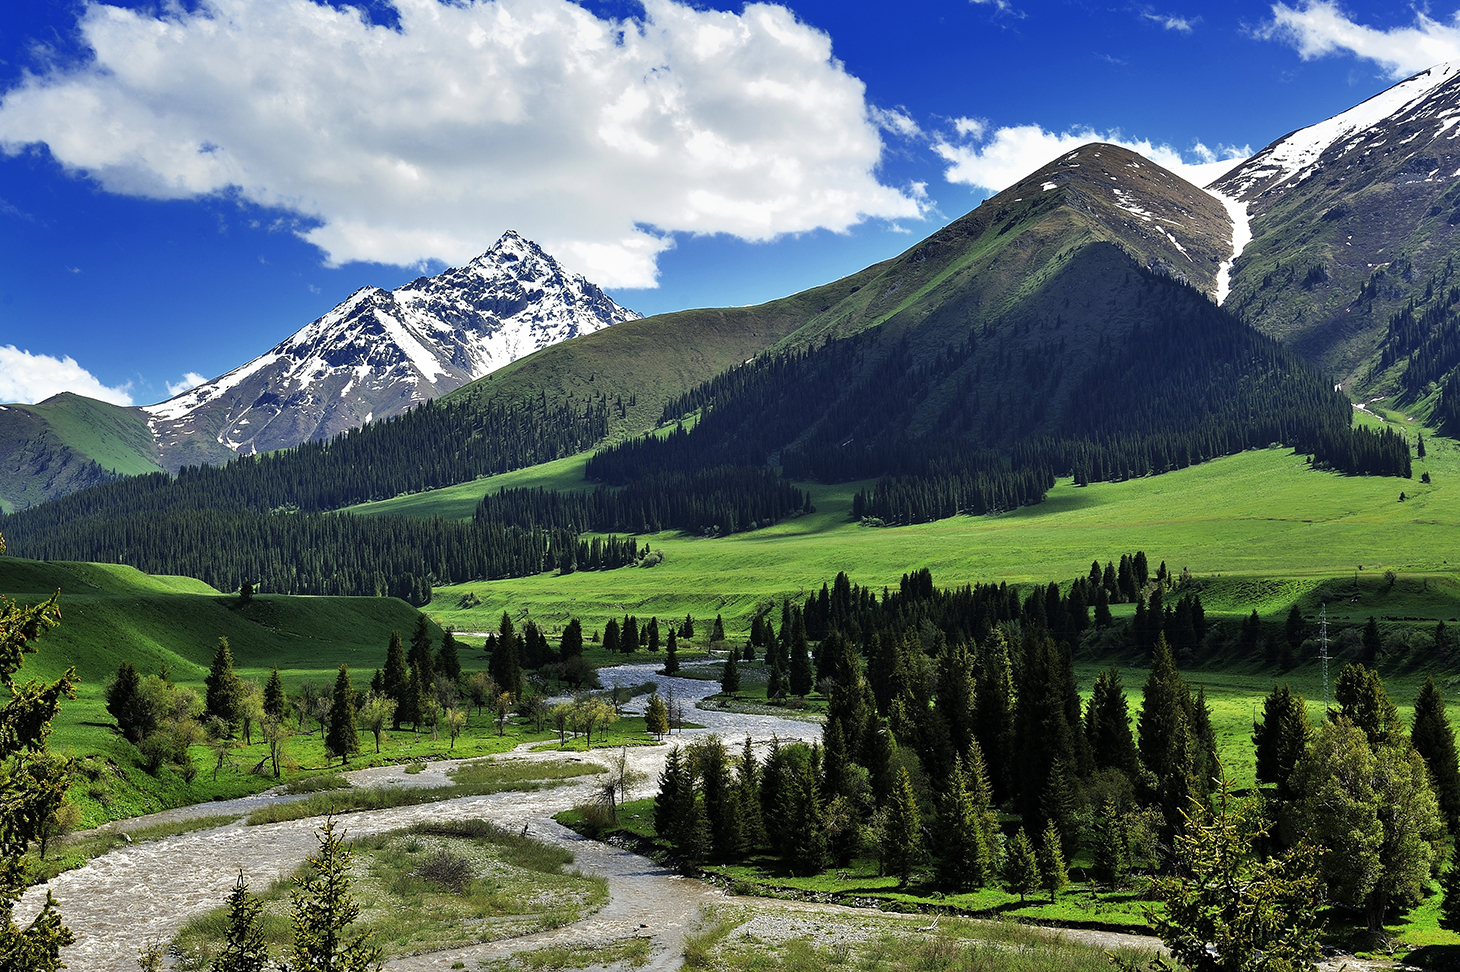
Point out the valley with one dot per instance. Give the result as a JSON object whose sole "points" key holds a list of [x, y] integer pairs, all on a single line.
{"points": [[494, 515]]}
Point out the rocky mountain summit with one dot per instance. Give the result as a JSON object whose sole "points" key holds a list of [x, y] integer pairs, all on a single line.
{"points": [[380, 352]]}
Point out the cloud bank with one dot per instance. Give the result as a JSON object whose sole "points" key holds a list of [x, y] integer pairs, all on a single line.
{"points": [[1319, 27], [30, 378], [995, 160], [595, 137]]}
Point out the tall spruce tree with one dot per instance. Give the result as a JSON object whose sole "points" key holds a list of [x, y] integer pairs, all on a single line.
{"points": [[671, 654], [612, 641], [993, 712], [1021, 867], [711, 763], [343, 740], [1361, 698], [224, 688], [678, 815], [396, 679], [1163, 709], [1107, 724], [571, 644], [628, 642], [505, 665], [448, 659], [806, 852], [1052, 874], [1110, 845], [730, 676], [963, 859], [1204, 743], [800, 673], [954, 698], [1295, 630], [421, 654], [1435, 741], [1281, 739], [903, 839], [1372, 642], [125, 703], [276, 700], [747, 793]]}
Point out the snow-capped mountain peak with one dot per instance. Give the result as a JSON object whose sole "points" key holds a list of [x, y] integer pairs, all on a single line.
{"points": [[380, 352], [1297, 156]]}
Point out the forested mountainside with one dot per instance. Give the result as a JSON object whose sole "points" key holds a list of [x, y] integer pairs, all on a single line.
{"points": [[981, 425], [1355, 227]]}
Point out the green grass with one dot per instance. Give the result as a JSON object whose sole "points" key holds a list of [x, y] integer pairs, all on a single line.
{"points": [[433, 886], [880, 943], [1258, 514], [111, 612], [631, 952], [477, 778], [459, 502]]}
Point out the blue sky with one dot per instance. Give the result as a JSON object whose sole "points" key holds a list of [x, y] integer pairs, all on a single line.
{"points": [[184, 185]]}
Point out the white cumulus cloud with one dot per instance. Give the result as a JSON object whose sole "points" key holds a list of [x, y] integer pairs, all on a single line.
{"points": [[29, 378], [596, 137], [1319, 27], [996, 159], [190, 379]]}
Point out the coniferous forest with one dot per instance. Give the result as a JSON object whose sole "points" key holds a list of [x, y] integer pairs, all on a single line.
{"points": [[957, 746]]}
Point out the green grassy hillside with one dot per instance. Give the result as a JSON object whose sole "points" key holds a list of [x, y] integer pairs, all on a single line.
{"points": [[459, 502], [111, 612], [1258, 514], [67, 443]]}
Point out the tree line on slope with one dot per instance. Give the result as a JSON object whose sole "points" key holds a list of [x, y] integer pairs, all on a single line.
{"points": [[979, 425], [316, 553]]}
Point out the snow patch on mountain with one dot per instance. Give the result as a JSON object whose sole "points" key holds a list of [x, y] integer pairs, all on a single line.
{"points": [[1241, 236]]}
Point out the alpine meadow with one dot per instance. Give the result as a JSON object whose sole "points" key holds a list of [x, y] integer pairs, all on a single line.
{"points": [[1068, 589]]}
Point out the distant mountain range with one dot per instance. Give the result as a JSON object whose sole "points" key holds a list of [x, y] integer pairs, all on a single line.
{"points": [[1336, 240], [375, 355]]}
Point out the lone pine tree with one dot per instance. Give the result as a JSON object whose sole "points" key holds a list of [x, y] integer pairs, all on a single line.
{"points": [[323, 911]]}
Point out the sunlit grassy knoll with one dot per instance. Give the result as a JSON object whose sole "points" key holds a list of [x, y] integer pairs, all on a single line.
{"points": [[111, 612], [1263, 513], [434, 886]]}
